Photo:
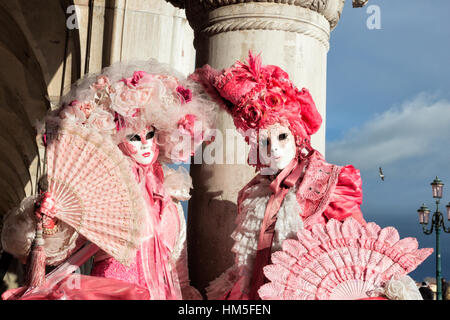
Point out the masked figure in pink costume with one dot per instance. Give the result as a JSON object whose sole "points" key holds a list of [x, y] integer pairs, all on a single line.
{"points": [[145, 109], [295, 188], [166, 222]]}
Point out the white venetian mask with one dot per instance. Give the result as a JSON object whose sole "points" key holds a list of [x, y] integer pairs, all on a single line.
{"points": [[143, 146], [276, 147]]}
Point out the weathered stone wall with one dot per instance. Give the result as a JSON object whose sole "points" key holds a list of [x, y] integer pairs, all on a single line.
{"points": [[42, 52]]}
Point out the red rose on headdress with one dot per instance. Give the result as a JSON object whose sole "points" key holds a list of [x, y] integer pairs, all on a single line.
{"points": [[186, 124], [138, 75], [134, 80], [273, 100], [274, 83], [252, 114], [185, 94]]}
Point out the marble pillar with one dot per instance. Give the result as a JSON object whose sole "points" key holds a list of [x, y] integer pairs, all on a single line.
{"points": [[127, 30], [142, 29], [293, 34]]}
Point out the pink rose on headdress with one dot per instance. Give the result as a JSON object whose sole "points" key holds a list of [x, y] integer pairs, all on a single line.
{"points": [[101, 83], [171, 83], [145, 95], [185, 94], [102, 120], [186, 124], [85, 107], [124, 100], [274, 83]]}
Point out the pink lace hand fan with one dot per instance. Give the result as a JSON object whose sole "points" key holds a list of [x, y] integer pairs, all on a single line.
{"points": [[95, 190], [340, 261]]}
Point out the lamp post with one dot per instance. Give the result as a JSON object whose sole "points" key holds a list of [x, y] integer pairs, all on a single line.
{"points": [[437, 223]]}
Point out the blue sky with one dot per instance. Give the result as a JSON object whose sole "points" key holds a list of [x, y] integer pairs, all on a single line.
{"points": [[388, 105]]}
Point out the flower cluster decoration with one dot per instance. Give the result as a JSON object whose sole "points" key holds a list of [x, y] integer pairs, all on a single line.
{"points": [[260, 95], [126, 98]]}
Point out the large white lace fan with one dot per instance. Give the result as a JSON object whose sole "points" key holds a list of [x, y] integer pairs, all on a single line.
{"points": [[95, 190], [340, 261]]}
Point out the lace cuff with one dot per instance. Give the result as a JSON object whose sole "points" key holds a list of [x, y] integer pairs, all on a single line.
{"points": [[19, 231], [402, 289]]}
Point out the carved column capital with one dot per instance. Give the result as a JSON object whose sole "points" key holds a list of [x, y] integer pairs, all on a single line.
{"points": [[330, 9]]}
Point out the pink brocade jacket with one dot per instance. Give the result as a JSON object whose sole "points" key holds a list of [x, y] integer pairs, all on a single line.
{"points": [[325, 192], [329, 191]]}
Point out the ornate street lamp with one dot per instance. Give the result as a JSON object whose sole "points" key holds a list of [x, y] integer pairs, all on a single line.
{"points": [[437, 223], [424, 214], [437, 186]]}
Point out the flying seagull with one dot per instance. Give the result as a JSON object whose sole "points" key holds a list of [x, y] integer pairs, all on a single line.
{"points": [[381, 174]]}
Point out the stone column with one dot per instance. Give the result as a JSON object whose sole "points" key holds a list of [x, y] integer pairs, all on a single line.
{"points": [[293, 34], [142, 29]]}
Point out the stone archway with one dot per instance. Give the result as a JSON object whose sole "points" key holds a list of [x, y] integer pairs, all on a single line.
{"points": [[36, 53], [33, 52]]}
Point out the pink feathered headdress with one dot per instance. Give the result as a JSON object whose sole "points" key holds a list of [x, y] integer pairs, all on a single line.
{"points": [[258, 96]]}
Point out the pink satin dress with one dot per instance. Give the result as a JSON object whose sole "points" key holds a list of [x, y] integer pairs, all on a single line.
{"points": [[151, 267]]}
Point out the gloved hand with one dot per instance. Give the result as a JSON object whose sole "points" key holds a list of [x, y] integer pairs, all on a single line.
{"points": [[46, 206], [46, 210]]}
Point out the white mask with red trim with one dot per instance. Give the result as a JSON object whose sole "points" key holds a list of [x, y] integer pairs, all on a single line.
{"points": [[143, 147]]}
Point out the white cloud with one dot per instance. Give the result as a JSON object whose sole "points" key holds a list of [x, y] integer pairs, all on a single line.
{"points": [[415, 129]]}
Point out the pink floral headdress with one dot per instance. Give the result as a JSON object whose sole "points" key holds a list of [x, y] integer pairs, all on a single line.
{"points": [[258, 96], [127, 98]]}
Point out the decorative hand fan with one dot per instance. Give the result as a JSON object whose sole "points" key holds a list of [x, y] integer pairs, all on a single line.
{"points": [[340, 261], [95, 190]]}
